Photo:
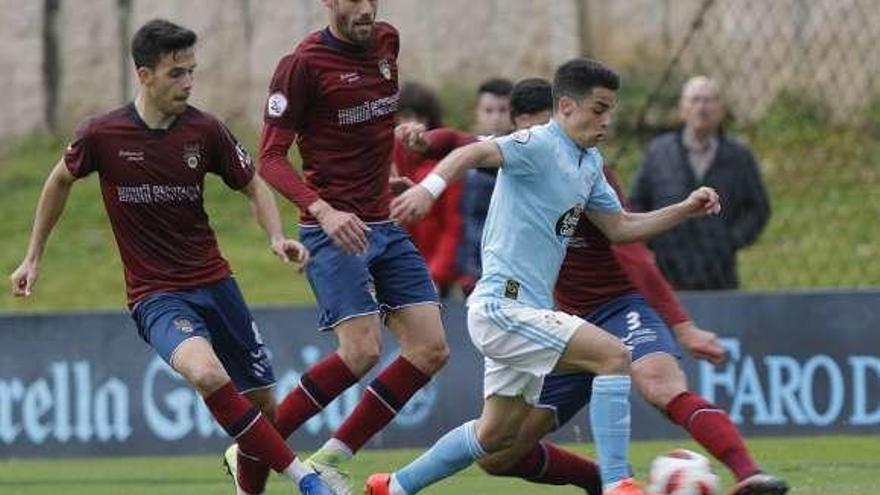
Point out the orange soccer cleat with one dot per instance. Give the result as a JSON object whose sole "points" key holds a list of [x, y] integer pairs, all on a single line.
{"points": [[377, 484], [626, 486]]}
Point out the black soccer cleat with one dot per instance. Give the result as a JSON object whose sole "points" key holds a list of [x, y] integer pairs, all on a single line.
{"points": [[760, 484]]}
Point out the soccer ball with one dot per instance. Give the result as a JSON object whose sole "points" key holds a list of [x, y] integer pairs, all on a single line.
{"points": [[682, 472]]}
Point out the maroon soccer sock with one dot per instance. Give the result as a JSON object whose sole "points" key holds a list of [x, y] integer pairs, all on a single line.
{"points": [[549, 464], [712, 428], [317, 388], [382, 400], [252, 473], [244, 422]]}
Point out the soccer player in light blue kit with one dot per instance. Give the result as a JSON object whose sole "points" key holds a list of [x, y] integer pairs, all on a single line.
{"points": [[549, 175]]}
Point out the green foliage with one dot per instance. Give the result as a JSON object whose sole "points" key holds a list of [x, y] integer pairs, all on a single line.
{"points": [[795, 117], [458, 105], [811, 465]]}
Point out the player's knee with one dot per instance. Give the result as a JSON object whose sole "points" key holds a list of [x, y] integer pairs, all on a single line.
{"points": [[656, 387], [431, 357], [207, 377], [496, 439], [361, 355], [616, 361]]}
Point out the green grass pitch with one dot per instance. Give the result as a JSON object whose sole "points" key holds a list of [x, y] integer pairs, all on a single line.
{"points": [[839, 465]]}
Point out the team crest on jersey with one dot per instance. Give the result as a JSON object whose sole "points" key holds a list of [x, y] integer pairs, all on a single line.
{"points": [[191, 155], [567, 223], [183, 325], [385, 68], [521, 136]]}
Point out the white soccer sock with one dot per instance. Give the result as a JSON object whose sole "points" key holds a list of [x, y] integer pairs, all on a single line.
{"points": [[297, 470], [394, 487], [338, 447]]}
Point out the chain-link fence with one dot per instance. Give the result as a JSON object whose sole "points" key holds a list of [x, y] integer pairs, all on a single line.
{"points": [[799, 81]]}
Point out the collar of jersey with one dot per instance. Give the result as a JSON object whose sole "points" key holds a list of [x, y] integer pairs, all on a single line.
{"points": [[328, 39], [136, 117]]}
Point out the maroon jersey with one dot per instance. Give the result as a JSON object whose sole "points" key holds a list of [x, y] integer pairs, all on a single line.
{"points": [[338, 100], [443, 140], [595, 272], [152, 182]]}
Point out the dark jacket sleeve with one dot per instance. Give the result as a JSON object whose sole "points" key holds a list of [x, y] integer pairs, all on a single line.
{"points": [[754, 211], [640, 197]]}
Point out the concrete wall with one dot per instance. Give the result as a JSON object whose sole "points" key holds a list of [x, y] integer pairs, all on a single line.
{"points": [[825, 48]]}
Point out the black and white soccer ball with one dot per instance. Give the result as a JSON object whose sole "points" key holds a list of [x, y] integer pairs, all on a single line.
{"points": [[682, 472]]}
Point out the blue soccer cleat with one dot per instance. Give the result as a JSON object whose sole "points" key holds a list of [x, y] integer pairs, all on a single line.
{"points": [[311, 484]]}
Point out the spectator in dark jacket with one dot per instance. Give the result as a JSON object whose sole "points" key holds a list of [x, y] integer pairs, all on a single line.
{"points": [[492, 119], [701, 253]]}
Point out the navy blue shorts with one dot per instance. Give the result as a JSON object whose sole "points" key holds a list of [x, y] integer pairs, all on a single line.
{"points": [[216, 312], [629, 318], [390, 275]]}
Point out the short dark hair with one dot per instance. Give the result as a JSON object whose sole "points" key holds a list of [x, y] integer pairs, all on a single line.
{"points": [[531, 95], [577, 77], [497, 86], [157, 38], [421, 101]]}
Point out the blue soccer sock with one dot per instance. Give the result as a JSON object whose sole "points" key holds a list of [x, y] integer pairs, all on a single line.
{"points": [[609, 422], [455, 450]]}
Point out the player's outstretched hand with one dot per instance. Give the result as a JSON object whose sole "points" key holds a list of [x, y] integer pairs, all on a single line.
{"points": [[412, 135], [412, 205], [703, 201], [400, 184], [291, 251], [345, 229], [23, 278], [699, 343]]}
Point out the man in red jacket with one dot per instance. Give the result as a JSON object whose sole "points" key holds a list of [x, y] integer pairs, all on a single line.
{"points": [[439, 234], [620, 289]]}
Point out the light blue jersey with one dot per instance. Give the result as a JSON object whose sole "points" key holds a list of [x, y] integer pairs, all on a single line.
{"points": [[545, 183]]}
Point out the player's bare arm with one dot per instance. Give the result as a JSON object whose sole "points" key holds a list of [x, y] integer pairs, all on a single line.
{"points": [[266, 212], [50, 206], [345, 229], [699, 343], [624, 226], [415, 203]]}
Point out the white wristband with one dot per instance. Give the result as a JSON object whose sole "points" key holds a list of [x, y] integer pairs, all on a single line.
{"points": [[434, 184]]}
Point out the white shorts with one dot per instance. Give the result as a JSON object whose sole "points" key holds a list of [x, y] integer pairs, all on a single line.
{"points": [[520, 345]]}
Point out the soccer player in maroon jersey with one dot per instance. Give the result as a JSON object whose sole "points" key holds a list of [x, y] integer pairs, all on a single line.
{"points": [[336, 96], [152, 156], [620, 289]]}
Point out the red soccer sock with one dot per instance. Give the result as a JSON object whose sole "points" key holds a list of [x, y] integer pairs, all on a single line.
{"points": [[317, 388], [244, 422], [712, 428], [549, 464], [252, 473], [388, 393]]}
